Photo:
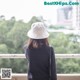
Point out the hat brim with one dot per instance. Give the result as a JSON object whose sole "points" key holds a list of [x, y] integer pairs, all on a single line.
{"points": [[30, 34]]}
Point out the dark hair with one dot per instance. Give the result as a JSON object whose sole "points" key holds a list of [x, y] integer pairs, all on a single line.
{"points": [[36, 43]]}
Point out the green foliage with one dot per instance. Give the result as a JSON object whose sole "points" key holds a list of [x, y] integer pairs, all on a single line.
{"points": [[3, 48], [3, 31], [64, 44], [17, 34], [56, 27], [68, 65], [17, 65], [4, 63]]}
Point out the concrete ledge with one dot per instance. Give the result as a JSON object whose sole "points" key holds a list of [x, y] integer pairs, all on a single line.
{"points": [[59, 77], [68, 76]]}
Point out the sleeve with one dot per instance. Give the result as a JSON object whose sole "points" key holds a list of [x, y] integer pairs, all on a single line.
{"points": [[53, 65]]}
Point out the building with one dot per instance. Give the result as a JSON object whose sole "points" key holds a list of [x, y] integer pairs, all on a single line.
{"points": [[64, 16], [69, 16], [76, 16]]}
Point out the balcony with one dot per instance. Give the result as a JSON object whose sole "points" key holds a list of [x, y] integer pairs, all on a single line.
{"points": [[23, 76]]}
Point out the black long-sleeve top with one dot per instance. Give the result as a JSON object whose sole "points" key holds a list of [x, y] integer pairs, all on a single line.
{"points": [[40, 66]]}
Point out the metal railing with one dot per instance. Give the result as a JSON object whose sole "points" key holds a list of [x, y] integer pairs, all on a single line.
{"points": [[56, 55]]}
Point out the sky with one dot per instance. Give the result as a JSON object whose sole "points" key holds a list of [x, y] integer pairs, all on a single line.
{"points": [[25, 9]]}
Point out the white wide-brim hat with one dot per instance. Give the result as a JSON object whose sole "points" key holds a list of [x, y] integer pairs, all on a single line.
{"points": [[38, 31]]}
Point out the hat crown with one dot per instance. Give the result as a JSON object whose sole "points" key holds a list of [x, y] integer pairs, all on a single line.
{"points": [[38, 28], [38, 31], [37, 25]]}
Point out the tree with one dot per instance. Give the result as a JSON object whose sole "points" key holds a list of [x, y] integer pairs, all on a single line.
{"points": [[3, 48]]}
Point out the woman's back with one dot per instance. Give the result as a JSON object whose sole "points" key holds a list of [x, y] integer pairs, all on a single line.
{"points": [[39, 62]]}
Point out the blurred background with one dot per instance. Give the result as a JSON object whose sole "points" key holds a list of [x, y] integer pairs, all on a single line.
{"points": [[16, 17]]}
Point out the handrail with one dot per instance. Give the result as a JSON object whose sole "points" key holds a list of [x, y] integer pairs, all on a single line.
{"points": [[56, 55], [58, 74]]}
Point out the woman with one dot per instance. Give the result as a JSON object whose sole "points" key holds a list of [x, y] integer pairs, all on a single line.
{"points": [[40, 55]]}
